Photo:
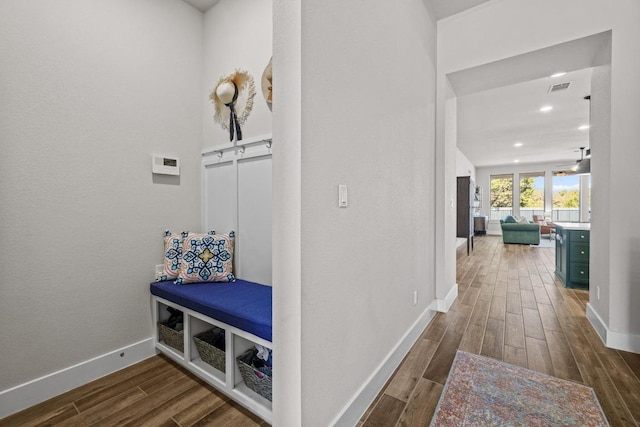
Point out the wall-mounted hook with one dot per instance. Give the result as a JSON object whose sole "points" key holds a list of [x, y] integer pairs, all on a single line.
{"points": [[242, 148], [269, 144], [219, 154]]}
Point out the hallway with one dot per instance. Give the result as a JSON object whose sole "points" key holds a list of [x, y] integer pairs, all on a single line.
{"points": [[512, 308]]}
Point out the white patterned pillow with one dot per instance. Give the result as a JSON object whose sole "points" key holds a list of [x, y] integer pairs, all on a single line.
{"points": [[172, 255], [207, 258]]}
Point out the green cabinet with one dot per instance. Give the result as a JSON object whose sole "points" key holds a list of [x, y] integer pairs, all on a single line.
{"points": [[572, 254]]}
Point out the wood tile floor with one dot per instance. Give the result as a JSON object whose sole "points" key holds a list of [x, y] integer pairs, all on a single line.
{"points": [[510, 307], [155, 392]]}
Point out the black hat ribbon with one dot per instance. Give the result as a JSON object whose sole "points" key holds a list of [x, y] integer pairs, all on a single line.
{"points": [[233, 118]]}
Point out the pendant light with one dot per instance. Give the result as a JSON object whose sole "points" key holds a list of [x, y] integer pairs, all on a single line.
{"points": [[584, 166]]}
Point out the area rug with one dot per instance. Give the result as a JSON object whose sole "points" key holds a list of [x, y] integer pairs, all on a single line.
{"points": [[545, 243], [487, 392]]}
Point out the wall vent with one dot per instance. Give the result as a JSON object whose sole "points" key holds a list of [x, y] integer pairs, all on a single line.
{"points": [[559, 87]]}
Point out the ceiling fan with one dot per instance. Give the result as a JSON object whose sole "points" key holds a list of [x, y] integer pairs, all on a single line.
{"points": [[570, 168]]}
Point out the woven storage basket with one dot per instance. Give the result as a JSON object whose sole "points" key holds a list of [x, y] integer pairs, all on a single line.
{"points": [[253, 378], [171, 337], [209, 353]]}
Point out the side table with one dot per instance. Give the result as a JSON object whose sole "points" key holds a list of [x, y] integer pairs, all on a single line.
{"points": [[480, 224]]}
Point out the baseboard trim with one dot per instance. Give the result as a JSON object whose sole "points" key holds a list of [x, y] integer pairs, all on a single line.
{"points": [[443, 305], [40, 389], [612, 339], [364, 397]]}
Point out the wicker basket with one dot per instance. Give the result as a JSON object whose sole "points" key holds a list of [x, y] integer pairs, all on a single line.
{"points": [[253, 378], [171, 337], [209, 353]]}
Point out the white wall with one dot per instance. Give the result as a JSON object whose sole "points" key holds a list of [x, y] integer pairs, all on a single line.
{"points": [[287, 213], [600, 133], [90, 90], [464, 167], [362, 127], [445, 203], [500, 29], [237, 35]]}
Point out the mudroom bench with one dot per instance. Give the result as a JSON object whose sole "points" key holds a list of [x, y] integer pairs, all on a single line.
{"points": [[240, 313]]}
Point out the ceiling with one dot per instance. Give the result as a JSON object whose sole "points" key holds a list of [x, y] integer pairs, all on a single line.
{"points": [[498, 104], [441, 8], [492, 121]]}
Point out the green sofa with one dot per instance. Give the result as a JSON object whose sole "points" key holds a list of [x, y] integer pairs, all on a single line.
{"points": [[522, 233]]}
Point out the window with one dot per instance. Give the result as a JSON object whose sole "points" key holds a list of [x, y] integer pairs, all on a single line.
{"points": [[501, 196], [566, 197], [531, 194]]}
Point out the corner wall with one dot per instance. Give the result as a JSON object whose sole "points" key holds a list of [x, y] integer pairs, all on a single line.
{"points": [[90, 90]]}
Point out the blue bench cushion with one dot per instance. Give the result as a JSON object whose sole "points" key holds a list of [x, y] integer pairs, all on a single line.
{"points": [[245, 305]]}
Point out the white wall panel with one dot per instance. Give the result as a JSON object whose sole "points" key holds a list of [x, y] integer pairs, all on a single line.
{"points": [[220, 203], [236, 195], [254, 219]]}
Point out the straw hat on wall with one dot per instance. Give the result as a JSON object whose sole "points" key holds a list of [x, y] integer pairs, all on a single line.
{"points": [[267, 79], [232, 98]]}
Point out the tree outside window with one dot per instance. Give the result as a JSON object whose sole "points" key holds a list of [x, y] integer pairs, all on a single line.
{"points": [[566, 196], [501, 198], [531, 194]]}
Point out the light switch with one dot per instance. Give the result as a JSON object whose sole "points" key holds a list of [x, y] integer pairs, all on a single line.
{"points": [[342, 196]]}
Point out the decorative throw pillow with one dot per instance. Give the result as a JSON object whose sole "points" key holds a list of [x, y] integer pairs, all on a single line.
{"points": [[523, 220], [509, 219], [172, 255], [207, 258]]}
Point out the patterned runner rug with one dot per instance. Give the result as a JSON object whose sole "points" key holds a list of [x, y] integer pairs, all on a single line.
{"points": [[486, 392]]}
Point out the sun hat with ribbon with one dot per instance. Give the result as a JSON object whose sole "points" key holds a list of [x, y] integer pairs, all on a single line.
{"points": [[232, 98], [267, 84]]}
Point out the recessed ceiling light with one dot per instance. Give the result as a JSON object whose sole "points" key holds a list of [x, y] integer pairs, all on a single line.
{"points": [[518, 144], [546, 108], [561, 73], [516, 161], [583, 127]]}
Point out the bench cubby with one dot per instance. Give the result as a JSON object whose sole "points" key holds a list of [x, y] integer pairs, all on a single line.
{"points": [[237, 341]]}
